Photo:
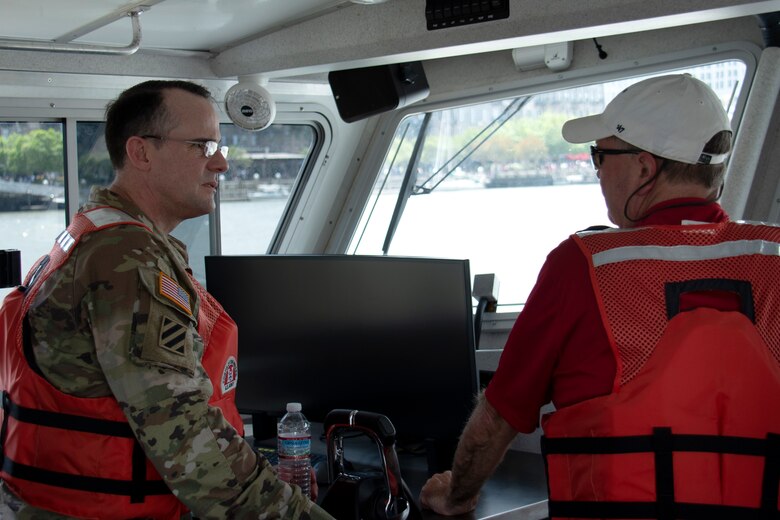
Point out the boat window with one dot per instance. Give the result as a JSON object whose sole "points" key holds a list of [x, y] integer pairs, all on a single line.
{"points": [[254, 194], [32, 188], [496, 183]]}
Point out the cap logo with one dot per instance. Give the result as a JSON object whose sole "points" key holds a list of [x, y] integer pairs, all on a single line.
{"points": [[620, 128]]}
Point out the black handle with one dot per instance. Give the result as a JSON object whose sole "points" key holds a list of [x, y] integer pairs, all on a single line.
{"points": [[375, 423], [389, 503]]}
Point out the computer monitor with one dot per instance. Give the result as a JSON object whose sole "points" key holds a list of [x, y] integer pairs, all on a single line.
{"points": [[390, 335]]}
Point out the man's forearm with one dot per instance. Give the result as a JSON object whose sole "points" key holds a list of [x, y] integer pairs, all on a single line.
{"points": [[482, 446]]}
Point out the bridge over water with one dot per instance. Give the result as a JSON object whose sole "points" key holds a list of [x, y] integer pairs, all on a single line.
{"points": [[16, 196]]}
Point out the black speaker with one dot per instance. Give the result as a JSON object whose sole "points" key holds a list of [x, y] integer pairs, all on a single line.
{"points": [[360, 93]]}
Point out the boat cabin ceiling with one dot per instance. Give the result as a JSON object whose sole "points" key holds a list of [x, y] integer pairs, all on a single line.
{"points": [[305, 39]]}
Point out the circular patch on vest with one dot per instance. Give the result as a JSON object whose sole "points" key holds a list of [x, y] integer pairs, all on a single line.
{"points": [[229, 375]]}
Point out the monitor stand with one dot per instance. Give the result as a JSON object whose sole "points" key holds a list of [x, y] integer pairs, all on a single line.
{"points": [[440, 453], [263, 426]]}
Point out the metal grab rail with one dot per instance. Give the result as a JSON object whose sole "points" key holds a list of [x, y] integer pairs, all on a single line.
{"points": [[81, 47]]}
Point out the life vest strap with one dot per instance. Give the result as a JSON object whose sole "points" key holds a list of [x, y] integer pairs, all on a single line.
{"points": [[66, 421], [84, 483], [664, 472], [647, 443], [137, 488], [682, 510], [663, 443], [771, 483], [138, 491]]}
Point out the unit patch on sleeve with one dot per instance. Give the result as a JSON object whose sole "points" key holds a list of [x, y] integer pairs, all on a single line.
{"points": [[173, 291], [169, 341], [173, 336]]}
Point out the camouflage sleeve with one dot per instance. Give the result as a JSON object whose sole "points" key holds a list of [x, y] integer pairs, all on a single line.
{"points": [[150, 352]]}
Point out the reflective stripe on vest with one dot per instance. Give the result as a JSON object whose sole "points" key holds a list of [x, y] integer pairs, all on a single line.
{"points": [[687, 253]]}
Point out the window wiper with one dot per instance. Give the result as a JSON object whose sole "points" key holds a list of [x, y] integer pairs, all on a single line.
{"points": [[470, 147], [407, 186]]}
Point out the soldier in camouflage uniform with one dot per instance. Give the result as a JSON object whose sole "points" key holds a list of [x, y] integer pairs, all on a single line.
{"points": [[99, 326]]}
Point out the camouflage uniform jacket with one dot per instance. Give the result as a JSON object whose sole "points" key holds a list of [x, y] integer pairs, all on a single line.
{"points": [[93, 335]]}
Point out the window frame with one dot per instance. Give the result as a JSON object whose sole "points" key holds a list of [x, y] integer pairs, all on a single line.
{"points": [[291, 115]]}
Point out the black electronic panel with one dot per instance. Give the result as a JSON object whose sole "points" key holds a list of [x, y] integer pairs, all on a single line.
{"points": [[10, 268], [391, 335], [360, 93], [440, 14]]}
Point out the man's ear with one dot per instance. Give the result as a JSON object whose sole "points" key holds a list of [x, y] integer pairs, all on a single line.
{"points": [[651, 165], [137, 150]]}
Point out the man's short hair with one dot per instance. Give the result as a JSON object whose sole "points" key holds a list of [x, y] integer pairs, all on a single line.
{"points": [[707, 175], [140, 110]]}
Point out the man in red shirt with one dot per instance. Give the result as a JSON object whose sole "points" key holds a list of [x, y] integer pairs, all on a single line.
{"points": [[660, 151]]}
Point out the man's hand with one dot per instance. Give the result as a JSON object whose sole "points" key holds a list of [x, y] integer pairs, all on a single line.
{"points": [[481, 448], [435, 495]]}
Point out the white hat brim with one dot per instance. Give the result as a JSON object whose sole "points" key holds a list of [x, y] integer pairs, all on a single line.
{"points": [[585, 129]]}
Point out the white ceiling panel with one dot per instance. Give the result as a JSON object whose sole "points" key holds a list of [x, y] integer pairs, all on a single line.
{"points": [[193, 25]]}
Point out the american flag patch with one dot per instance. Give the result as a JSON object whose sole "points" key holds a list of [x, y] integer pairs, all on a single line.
{"points": [[173, 291]]}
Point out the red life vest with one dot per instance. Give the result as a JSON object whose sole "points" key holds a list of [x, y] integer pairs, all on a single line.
{"points": [[692, 428], [217, 328], [78, 456]]}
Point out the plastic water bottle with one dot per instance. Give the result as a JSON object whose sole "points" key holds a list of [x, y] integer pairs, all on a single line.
{"points": [[294, 448]]}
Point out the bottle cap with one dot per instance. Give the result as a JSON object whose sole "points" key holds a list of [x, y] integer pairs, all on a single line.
{"points": [[294, 407]]}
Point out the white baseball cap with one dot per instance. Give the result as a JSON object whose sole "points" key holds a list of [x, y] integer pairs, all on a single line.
{"points": [[669, 116]]}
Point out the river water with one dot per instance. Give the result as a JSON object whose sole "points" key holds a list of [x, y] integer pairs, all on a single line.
{"points": [[503, 231]]}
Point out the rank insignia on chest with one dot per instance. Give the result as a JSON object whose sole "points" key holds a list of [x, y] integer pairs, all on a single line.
{"points": [[172, 291]]}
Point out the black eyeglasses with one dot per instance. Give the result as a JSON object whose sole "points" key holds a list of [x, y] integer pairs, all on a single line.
{"points": [[597, 155], [209, 147]]}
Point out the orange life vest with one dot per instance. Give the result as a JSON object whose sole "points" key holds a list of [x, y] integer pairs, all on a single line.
{"points": [[78, 456], [692, 428]]}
